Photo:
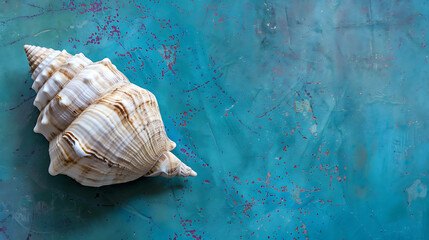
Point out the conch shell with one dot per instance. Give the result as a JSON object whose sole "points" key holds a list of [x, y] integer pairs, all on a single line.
{"points": [[101, 128]]}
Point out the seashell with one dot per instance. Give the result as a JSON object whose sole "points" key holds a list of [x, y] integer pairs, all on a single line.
{"points": [[101, 128]]}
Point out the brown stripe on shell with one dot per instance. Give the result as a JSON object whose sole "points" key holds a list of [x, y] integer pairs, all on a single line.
{"points": [[66, 73]]}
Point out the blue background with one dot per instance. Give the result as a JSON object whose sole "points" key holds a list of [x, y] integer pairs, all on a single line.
{"points": [[304, 119]]}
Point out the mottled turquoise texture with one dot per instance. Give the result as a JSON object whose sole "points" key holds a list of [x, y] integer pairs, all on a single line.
{"points": [[304, 119]]}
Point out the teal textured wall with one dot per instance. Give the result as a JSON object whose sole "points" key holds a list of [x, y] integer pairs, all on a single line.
{"points": [[304, 119]]}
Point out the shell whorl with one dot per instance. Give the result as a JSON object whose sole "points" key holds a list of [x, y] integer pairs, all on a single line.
{"points": [[102, 129], [35, 55]]}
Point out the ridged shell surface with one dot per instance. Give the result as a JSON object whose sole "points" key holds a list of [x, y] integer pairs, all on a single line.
{"points": [[102, 129]]}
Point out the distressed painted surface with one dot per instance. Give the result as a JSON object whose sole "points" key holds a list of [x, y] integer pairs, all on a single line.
{"points": [[304, 119]]}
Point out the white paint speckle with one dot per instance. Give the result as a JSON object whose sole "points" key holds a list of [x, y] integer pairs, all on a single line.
{"points": [[416, 190]]}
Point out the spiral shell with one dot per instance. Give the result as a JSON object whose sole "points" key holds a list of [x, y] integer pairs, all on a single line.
{"points": [[101, 128]]}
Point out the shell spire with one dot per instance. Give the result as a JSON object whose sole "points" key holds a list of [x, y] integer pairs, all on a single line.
{"points": [[101, 128], [35, 55]]}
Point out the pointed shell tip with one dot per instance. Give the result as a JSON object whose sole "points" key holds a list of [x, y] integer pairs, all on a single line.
{"points": [[27, 49], [193, 173]]}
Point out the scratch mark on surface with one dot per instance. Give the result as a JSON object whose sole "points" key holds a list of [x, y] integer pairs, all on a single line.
{"points": [[20, 104], [134, 211], [43, 31]]}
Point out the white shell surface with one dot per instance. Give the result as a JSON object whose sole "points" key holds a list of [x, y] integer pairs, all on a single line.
{"points": [[59, 79], [102, 128], [90, 84]]}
